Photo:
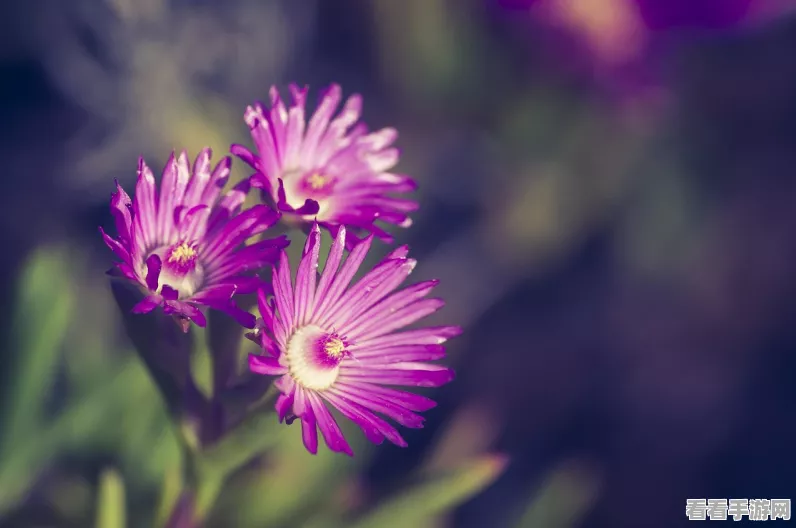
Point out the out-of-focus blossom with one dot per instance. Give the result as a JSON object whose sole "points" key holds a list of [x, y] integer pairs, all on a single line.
{"points": [[327, 170], [185, 245], [336, 345], [619, 42], [153, 73]]}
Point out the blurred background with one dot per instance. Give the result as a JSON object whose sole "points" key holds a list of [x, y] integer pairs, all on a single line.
{"points": [[607, 192]]}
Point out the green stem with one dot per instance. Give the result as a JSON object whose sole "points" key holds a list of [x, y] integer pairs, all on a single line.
{"points": [[206, 470]]}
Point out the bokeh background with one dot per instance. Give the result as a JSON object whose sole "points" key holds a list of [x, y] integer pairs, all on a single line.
{"points": [[607, 191]]}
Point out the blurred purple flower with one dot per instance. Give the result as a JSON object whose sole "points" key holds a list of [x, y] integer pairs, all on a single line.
{"points": [[619, 43], [338, 345], [327, 172], [184, 248]]}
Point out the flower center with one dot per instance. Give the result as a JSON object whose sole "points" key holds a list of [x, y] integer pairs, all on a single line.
{"points": [[334, 347], [316, 184], [314, 357], [317, 181], [182, 257], [180, 268]]}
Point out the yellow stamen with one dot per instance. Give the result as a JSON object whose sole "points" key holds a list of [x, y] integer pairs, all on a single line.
{"points": [[334, 347], [317, 181], [182, 253]]}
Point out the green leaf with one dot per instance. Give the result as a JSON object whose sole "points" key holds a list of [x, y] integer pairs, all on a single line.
{"points": [[44, 305], [256, 434], [292, 485], [439, 494], [202, 364], [563, 500], [82, 419], [169, 492], [110, 502]]}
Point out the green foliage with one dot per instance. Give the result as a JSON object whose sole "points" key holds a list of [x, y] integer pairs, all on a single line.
{"points": [[202, 365], [44, 302], [111, 502], [563, 500], [436, 495]]}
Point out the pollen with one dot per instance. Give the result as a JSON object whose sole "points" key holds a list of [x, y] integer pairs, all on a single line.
{"points": [[334, 347], [317, 181], [182, 254]]}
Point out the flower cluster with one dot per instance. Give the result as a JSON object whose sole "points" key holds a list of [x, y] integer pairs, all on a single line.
{"points": [[331, 340]]}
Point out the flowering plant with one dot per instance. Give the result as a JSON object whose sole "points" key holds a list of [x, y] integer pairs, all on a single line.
{"points": [[194, 253]]}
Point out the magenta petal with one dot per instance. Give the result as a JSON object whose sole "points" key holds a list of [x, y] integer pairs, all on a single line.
{"points": [[283, 290], [410, 374], [383, 406], [266, 365], [121, 208], [235, 232], [330, 269], [366, 420], [399, 318], [430, 335], [281, 202], [310, 207], [343, 277], [243, 318], [125, 270], [115, 246], [372, 430], [283, 406], [331, 432], [306, 277], [413, 402], [266, 310], [149, 303], [187, 310], [246, 155], [260, 181], [399, 354], [153, 265], [309, 431], [169, 293]]}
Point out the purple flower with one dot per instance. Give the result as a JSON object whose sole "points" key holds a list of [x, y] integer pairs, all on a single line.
{"points": [[336, 345], [624, 45], [328, 170], [184, 247]]}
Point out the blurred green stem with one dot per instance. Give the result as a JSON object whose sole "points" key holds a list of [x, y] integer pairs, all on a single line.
{"points": [[206, 469]]}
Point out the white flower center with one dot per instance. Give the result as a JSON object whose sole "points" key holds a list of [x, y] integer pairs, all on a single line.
{"points": [[314, 357]]}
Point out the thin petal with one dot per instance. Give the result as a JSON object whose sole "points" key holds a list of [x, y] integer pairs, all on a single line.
{"points": [[330, 269], [391, 308], [413, 402], [408, 374], [283, 406], [376, 403], [370, 424], [266, 365], [422, 336], [331, 432], [283, 291], [306, 277], [343, 278], [149, 303], [153, 265], [399, 319]]}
